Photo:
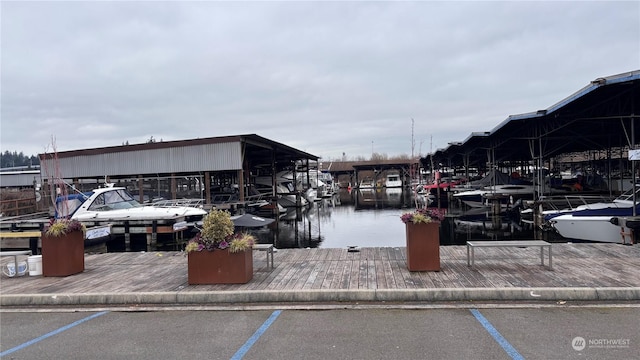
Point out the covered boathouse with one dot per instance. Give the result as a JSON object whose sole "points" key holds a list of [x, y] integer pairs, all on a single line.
{"points": [[204, 168], [599, 120]]}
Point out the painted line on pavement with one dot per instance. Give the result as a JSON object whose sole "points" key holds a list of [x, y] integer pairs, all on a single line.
{"points": [[496, 335], [252, 340], [54, 332]]}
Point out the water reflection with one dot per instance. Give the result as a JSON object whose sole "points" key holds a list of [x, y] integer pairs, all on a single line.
{"points": [[382, 198], [372, 219], [461, 226]]}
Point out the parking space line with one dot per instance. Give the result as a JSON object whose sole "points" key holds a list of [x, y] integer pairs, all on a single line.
{"points": [[497, 336], [49, 334], [252, 340]]}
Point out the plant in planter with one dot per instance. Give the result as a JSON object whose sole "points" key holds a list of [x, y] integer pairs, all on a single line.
{"points": [[63, 248], [423, 238], [61, 227], [218, 256], [423, 215]]}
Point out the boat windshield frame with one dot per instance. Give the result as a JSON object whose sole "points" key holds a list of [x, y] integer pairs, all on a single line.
{"points": [[113, 200], [628, 195]]}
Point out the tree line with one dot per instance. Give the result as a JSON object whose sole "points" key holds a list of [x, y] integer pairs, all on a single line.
{"points": [[10, 159]]}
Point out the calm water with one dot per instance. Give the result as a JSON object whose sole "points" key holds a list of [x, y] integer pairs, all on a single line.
{"points": [[372, 219]]}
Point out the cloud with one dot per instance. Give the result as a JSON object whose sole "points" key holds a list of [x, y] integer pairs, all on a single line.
{"points": [[324, 77]]}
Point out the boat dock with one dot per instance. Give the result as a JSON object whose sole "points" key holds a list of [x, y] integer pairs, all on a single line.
{"points": [[581, 272], [23, 232]]}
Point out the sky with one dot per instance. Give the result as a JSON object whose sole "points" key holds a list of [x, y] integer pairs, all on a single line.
{"points": [[339, 80]]}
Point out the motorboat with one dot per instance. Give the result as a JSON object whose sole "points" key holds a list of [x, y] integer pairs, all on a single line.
{"points": [[331, 187], [393, 180], [444, 184], [313, 188], [117, 204], [507, 194], [549, 206], [597, 221], [287, 194], [367, 184]]}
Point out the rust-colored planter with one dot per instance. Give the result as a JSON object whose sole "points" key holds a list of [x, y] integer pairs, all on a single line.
{"points": [[220, 267], [63, 255], [423, 246]]}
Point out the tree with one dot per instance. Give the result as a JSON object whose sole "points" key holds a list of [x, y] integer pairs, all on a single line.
{"points": [[14, 159], [378, 156]]}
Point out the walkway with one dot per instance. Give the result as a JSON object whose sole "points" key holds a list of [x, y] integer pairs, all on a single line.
{"points": [[588, 272]]}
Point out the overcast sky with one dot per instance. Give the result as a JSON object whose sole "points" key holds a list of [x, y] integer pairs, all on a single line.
{"points": [[324, 77]]}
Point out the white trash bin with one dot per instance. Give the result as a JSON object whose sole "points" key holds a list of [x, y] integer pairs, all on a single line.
{"points": [[35, 265]]}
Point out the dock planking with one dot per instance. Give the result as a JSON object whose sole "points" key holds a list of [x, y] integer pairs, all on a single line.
{"points": [[575, 265]]}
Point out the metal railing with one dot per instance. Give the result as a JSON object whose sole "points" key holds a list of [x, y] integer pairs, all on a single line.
{"points": [[197, 203]]}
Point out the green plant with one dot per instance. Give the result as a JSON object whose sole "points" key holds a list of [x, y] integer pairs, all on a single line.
{"points": [[59, 227], [217, 233], [241, 242], [423, 215]]}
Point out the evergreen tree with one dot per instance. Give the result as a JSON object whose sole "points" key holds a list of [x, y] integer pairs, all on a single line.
{"points": [[10, 159]]}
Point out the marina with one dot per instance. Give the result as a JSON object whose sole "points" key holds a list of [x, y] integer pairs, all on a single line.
{"points": [[155, 201], [360, 219]]}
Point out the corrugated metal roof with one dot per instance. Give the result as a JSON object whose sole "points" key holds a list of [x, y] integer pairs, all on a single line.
{"points": [[183, 156], [202, 157], [595, 84], [596, 117]]}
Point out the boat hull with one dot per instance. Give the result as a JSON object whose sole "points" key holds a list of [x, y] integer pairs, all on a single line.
{"points": [[140, 213], [589, 228]]}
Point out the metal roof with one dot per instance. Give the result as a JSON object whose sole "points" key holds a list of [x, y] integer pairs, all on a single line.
{"points": [[181, 156], [597, 117]]}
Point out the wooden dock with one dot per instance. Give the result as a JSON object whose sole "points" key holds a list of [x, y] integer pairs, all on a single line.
{"points": [[574, 265]]}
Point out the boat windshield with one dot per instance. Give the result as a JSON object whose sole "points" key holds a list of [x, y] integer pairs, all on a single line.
{"points": [[628, 195], [113, 200]]}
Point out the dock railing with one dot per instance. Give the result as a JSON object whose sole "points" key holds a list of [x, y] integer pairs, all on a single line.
{"points": [[197, 203]]}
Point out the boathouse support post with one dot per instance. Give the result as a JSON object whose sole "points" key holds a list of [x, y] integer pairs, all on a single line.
{"points": [[152, 241], [274, 192], [242, 171], [207, 187], [174, 187], [127, 236], [357, 182], [241, 185], [141, 189], [633, 168]]}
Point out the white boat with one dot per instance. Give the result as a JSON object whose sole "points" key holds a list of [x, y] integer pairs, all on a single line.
{"points": [[393, 180], [597, 221], [313, 188], [553, 205], [509, 194], [331, 187], [117, 204], [285, 189], [367, 184]]}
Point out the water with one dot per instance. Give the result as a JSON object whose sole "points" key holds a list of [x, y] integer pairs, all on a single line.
{"points": [[372, 219], [343, 226]]}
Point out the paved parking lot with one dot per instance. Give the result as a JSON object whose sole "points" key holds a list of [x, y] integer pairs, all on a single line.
{"points": [[554, 332]]}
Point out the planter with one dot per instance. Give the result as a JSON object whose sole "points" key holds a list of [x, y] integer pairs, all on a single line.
{"points": [[220, 267], [63, 255], [423, 246]]}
